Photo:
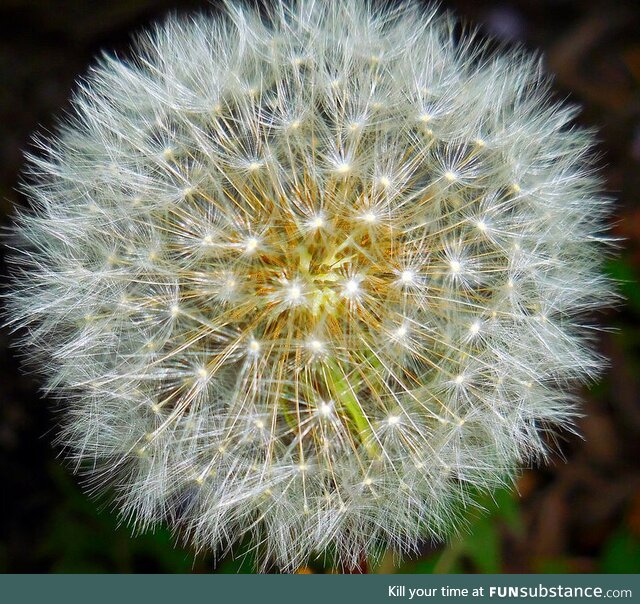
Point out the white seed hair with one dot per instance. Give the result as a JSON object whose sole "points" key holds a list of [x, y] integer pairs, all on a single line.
{"points": [[311, 279]]}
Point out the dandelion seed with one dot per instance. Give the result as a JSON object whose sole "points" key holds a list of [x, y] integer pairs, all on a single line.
{"points": [[316, 345], [351, 288], [294, 293], [317, 222], [251, 245], [401, 332], [325, 409], [407, 277]]}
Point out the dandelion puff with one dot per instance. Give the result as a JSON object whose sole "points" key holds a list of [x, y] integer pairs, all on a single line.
{"points": [[310, 280]]}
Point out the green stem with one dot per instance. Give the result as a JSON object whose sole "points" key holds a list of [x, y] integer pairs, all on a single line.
{"points": [[449, 557], [346, 397]]}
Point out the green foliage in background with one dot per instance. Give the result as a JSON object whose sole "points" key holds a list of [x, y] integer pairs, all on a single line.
{"points": [[82, 537]]}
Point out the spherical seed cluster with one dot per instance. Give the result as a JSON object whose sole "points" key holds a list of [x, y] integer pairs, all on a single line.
{"points": [[312, 278]]}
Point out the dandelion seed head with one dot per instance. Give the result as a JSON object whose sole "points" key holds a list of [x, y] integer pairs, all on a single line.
{"points": [[278, 266]]}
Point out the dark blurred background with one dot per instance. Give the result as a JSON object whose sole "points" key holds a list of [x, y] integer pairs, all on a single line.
{"points": [[581, 513]]}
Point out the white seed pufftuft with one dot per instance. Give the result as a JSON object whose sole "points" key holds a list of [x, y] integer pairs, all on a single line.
{"points": [[312, 279]]}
